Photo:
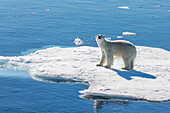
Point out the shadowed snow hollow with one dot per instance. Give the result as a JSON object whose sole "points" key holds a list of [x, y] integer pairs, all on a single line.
{"points": [[150, 79]]}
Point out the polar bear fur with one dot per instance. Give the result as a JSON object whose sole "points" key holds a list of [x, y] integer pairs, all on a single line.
{"points": [[120, 48]]}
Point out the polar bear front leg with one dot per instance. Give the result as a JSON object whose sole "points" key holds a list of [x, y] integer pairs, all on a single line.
{"points": [[103, 59], [109, 58]]}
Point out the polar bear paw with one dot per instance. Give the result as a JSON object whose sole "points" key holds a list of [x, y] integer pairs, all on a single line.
{"points": [[107, 66], [99, 65], [125, 68]]}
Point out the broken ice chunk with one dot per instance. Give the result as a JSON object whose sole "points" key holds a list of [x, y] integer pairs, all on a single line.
{"points": [[78, 41], [128, 33], [123, 7], [33, 13], [157, 6], [119, 36], [47, 9]]}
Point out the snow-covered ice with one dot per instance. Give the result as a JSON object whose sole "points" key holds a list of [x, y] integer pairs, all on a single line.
{"points": [[150, 79]]}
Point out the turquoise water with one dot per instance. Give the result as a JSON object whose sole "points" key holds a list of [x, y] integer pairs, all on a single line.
{"points": [[26, 26]]}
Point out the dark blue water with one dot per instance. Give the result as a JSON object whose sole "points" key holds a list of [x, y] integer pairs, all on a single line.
{"points": [[22, 30], [31, 25], [20, 94]]}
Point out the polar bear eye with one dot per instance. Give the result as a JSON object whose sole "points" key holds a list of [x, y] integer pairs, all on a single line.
{"points": [[99, 37]]}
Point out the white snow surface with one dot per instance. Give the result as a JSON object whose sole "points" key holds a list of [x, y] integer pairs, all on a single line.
{"points": [[150, 79]]}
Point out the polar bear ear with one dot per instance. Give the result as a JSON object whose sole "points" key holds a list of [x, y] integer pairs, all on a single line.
{"points": [[104, 36]]}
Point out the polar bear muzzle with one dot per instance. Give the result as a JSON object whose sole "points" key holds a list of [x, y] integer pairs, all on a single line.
{"points": [[100, 36]]}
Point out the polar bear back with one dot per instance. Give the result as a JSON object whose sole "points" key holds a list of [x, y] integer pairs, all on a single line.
{"points": [[121, 48]]}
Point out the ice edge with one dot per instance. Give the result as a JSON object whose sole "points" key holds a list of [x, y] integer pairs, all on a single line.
{"points": [[96, 96]]}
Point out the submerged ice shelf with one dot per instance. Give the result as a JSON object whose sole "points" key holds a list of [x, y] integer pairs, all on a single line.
{"points": [[150, 79]]}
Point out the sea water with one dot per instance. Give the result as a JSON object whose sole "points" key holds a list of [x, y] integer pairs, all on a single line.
{"points": [[26, 26]]}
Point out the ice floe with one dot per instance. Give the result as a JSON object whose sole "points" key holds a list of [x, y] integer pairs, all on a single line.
{"points": [[150, 79], [123, 7], [47, 9], [128, 33], [157, 6], [119, 36], [33, 13]]}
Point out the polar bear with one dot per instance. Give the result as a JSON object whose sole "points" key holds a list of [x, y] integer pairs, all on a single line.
{"points": [[120, 48]]}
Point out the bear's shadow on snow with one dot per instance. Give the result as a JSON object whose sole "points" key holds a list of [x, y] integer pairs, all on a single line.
{"points": [[133, 73]]}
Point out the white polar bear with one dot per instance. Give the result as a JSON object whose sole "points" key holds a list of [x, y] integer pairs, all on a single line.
{"points": [[122, 49]]}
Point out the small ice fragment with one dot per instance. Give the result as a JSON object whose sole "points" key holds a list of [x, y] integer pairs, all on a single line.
{"points": [[78, 41], [47, 9], [123, 7], [33, 13], [128, 33], [119, 36]]}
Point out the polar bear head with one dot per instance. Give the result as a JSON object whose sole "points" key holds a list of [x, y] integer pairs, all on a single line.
{"points": [[100, 39]]}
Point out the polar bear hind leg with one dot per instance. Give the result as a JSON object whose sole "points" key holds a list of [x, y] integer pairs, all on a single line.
{"points": [[127, 64], [132, 63]]}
